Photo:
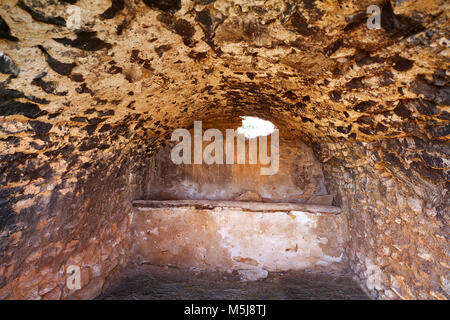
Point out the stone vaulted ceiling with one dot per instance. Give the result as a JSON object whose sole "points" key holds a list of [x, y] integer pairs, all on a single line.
{"points": [[74, 102]]}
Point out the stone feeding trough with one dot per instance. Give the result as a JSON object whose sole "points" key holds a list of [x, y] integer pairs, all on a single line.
{"points": [[145, 205], [248, 236]]}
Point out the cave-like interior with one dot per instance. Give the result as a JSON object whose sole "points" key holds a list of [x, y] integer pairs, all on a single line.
{"points": [[91, 92]]}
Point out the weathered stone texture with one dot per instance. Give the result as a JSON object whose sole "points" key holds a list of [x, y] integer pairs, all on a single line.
{"points": [[398, 218], [82, 112]]}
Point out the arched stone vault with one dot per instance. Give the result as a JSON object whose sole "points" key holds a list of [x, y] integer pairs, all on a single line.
{"points": [[81, 112]]}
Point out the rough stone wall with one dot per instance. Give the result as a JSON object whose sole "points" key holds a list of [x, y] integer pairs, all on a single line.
{"points": [[299, 177], [107, 97], [81, 221], [398, 214]]}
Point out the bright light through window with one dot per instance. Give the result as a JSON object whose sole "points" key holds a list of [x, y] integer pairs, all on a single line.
{"points": [[253, 127]]}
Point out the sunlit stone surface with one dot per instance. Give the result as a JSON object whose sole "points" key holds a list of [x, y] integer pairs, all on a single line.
{"points": [[87, 112]]}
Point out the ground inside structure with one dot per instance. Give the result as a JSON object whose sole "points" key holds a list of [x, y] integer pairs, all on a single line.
{"points": [[166, 283]]}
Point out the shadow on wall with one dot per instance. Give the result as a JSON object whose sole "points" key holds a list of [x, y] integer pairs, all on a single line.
{"points": [[299, 178]]}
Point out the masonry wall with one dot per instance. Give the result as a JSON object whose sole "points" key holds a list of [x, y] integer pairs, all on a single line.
{"points": [[81, 220], [298, 178], [397, 213]]}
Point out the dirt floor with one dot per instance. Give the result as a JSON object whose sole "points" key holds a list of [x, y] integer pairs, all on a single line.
{"points": [[157, 283]]}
